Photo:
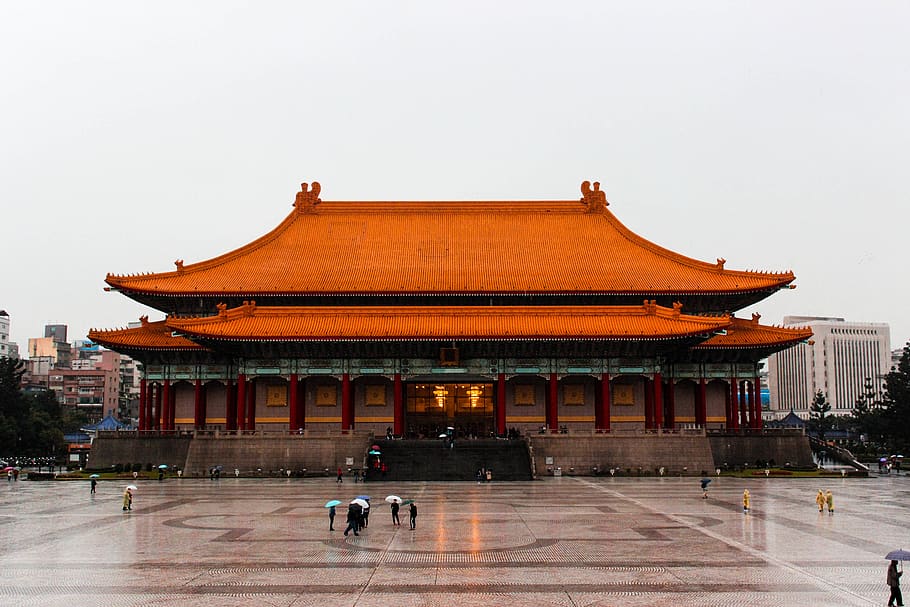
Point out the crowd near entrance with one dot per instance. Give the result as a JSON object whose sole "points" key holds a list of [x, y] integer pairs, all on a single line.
{"points": [[433, 408]]}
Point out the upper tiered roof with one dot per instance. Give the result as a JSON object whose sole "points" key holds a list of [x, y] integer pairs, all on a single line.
{"points": [[403, 250]]}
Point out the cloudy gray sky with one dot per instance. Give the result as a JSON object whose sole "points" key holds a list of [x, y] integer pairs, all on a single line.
{"points": [[773, 134]]}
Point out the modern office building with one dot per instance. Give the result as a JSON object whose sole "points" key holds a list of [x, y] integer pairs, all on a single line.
{"points": [[4, 334], [844, 360]]}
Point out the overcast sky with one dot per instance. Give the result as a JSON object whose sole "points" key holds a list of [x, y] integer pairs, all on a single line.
{"points": [[773, 134]]}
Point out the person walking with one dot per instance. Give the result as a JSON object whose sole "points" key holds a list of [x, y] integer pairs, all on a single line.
{"points": [[413, 511], [127, 499], [747, 500], [395, 520], [353, 519], [94, 485], [704, 487], [340, 477], [820, 500], [829, 500], [332, 518], [894, 582]]}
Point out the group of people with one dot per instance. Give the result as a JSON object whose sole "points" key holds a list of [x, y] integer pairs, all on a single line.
{"points": [[825, 499], [358, 517]]}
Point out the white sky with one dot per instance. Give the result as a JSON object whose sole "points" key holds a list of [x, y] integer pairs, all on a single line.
{"points": [[773, 134]]}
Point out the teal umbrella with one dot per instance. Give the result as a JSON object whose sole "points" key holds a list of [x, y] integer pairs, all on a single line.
{"points": [[331, 503], [162, 466]]}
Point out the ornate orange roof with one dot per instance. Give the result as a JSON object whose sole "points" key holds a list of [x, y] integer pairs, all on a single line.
{"points": [[149, 336], [746, 333], [421, 248], [251, 323]]}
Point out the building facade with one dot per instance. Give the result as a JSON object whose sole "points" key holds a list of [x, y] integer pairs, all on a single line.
{"points": [[845, 361], [420, 316], [4, 334]]}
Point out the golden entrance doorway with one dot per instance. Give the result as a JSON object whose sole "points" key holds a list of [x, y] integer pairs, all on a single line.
{"points": [[431, 408]]}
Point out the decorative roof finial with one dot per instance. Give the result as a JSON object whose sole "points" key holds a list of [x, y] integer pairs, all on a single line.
{"points": [[593, 198], [307, 199], [179, 264], [720, 263], [144, 320]]}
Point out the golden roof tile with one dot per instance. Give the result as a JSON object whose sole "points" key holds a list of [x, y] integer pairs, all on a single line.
{"points": [[748, 333], [251, 323], [420, 248], [149, 336]]}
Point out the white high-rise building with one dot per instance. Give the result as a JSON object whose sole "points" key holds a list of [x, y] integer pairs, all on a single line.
{"points": [[4, 333], [845, 360]]}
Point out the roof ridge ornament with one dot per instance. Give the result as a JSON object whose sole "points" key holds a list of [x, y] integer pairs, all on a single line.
{"points": [[179, 264], [720, 263], [593, 198], [144, 320], [307, 199]]}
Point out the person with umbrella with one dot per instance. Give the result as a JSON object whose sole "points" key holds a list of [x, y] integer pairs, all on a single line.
{"points": [[94, 486], [128, 499], [354, 511], [331, 518], [704, 487], [894, 582]]}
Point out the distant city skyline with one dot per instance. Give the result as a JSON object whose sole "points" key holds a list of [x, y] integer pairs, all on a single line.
{"points": [[770, 135]]}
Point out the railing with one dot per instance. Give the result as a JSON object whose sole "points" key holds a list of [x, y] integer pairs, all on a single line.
{"points": [[231, 433]]}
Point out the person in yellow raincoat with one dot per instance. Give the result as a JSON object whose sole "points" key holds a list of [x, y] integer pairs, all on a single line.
{"points": [[747, 500], [127, 500], [820, 500], [829, 499]]}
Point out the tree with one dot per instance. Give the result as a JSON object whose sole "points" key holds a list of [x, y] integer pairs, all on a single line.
{"points": [[896, 414], [13, 405], [819, 419]]}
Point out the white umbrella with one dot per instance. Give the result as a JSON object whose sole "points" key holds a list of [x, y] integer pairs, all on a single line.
{"points": [[362, 503], [393, 499], [131, 487]]}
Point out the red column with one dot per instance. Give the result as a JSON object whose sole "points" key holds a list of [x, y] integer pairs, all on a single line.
{"points": [[158, 412], [732, 416], [166, 405], [241, 401], [603, 408], [553, 403], [251, 405], [347, 413], [230, 406], [658, 385], [198, 406], [398, 406], [649, 405], [501, 404], [293, 422], [701, 404], [172, 409], [750, 390], [671, 404], [143, 396], [743, 406], [759, 423]]}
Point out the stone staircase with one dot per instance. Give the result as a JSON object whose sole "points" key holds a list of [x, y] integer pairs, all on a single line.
{"points": [[432, 460]]}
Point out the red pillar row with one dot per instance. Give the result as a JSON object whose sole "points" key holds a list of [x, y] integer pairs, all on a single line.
{"points": [[670, 393], [199, 405], [241, 401], [701, 404], [251, 405], [743, 406], [553, 404], [657, 385], [602, 405], [398, 406], [347, 413], [501, 404], [758, 417], [230, 406], [293, 405], [733, 408]]}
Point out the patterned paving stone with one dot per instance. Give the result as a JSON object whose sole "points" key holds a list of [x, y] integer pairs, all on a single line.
{"points": [[568, 541]]}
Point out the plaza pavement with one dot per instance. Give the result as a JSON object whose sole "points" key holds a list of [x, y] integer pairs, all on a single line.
{"points": [[559, 541]]}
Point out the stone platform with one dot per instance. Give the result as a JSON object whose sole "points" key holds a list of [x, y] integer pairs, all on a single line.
{"points": [[560, 541]]}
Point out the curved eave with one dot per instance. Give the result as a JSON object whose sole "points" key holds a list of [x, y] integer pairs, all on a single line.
{"points": [[151, 337], [749, 335], [532, 247], [647, 322]]}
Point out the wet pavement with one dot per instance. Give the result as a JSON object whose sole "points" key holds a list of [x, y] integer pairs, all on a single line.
{"points": [[561, 541]]}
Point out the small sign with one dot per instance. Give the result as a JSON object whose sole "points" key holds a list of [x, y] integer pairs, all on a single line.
{"points": [[349, 461], [549, 461]]}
